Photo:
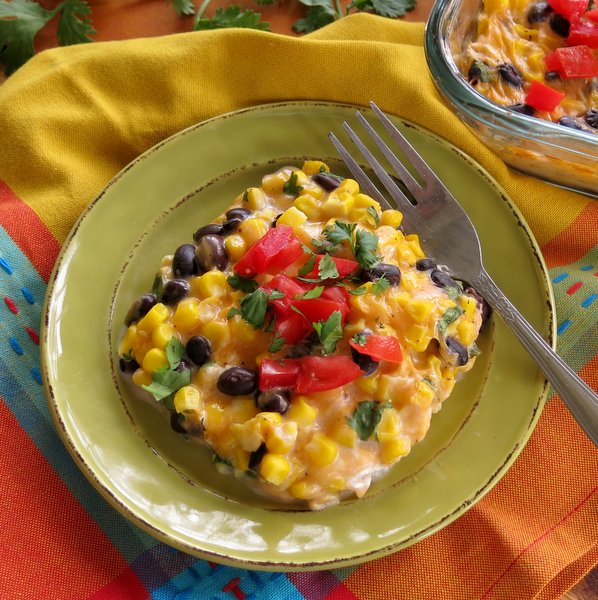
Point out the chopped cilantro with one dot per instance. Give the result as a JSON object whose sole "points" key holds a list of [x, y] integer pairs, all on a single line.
{"points": [[291, 187], [241, 283], [314, 293], [157, 285], [277, 344], [366, 244], [231, 16], [360, 291], [254, 307], [232, 312], [166, 382], [330, 332], [374, 214], [384, 8], [449, 316], [474, 350], [174, 352], [360, 338], [340, 232], [366, 417], [380, 285], [308, 267], [327, 268]]}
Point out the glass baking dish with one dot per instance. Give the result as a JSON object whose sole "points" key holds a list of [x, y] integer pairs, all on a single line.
{"points": [[560, 155]]}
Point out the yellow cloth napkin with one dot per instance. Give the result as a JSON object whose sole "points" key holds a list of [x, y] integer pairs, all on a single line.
{"points": [[72, 117]]}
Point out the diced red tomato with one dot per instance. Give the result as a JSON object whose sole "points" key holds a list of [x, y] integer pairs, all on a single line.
{"points": [[583, 33], [573, 62], [570, 9], [321, 373], [543, 97], [338, 294], [275, 251], [318, 309], [289, 287], [380, 347], [344, 266], [592, 15], [292, 327], [278, 373]]}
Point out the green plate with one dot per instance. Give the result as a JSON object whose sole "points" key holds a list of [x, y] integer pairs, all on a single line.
{"points": [[167, 485]]}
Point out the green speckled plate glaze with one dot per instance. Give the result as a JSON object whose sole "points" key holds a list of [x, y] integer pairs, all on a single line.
{"points": [[168, 486]]}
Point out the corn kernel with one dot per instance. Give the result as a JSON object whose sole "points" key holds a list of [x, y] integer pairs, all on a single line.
{"points": [[128, 342], [252, 230], [414, 244], [311, 167], [275, 468], [186, 315], [268, 420], [349, 185], [469, 305], [337, 205], [272, 184], [384, 391], [394, 449], [187, 398], [389, 426], [466, 331], [418, 337], [419, 310], [248, 434], [162, 335], [391, 218], [308, 206], [282, 437], [240, 459], [208, 309], [313, 190], [156, 315], [235, 246], [303, 413], [241, 410], [215, 417], [154, 359], [336, 484], [212, 283], [368, 385], [217, 332], [141, 377], [292, 217], [365, 201], [424, 395], [342, 433], [242, 331], [321, 450], [254, 198]]}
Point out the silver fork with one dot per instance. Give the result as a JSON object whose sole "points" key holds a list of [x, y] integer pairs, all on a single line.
{"points": [[447, 233]]}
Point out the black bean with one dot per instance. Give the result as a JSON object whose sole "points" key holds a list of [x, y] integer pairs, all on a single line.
{"points": [[176, 422], [255, 458], [198, 349], [524, 109], [559, 25], [183, 263], [275, 400], [210, 228], [237, 381], [128, 366], [425, 264], [365, 362], [139, 308], [239, 213], [570, 122], [211, 253], [441, 279], [510, 74], [459, 349], [591, 118], [174, 290], [551, 75], [391, 272], [539, 12], [327, 181], [231, 225]]}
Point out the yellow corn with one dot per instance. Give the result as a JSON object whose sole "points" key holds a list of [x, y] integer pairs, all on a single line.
{"points": [[272, 184], [321, 450], [212, 283], [337, 205], [303, 490], [240, 458], [248, 434], [389, 426], [394, 449], [311, 167], [469, 305], [254, 198], [308, 206], [301, 412], [418, 337], [466, 331], [292, 217], [128, 342], [336, 484], [365, 201], [384, 391], [215, 417], [414, 244], [419, 310], [217, 332], [241, 410], [235, 246], [208, 309], [424, 395], [187, 398], [391, 218], [242, 331], [142, 377], [154, 359], [162, 335], [282, 437], [344, 435], [368, 385], [156, 315], [312, 189], [252, 229], [349, 185], [186, 316], [275, 468]]}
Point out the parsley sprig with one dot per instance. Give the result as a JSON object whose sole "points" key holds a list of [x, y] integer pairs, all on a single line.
{"points": [[363, 243]]}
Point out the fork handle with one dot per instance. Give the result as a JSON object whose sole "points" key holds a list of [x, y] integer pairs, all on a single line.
{"points": [[579, 398]]}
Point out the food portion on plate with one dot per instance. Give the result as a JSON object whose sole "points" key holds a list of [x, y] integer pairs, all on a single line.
{"points": [[539, 58], [303, 336]]}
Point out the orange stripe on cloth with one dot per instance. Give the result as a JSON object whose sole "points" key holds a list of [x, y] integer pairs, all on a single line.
{"points": [[50, 546], [536, 522], [28, 231], [575, 241]]}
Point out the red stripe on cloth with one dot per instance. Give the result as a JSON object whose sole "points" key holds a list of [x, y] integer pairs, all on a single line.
{"points": [[575, 241], [51, 547], [28, 231], [343, 593], [126, 586]]}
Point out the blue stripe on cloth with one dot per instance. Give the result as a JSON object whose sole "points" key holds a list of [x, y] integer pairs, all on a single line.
{"points": [[207, 581]]}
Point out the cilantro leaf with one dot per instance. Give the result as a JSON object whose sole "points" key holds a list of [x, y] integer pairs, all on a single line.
{"points": [[74, 26], [330, 332], [314, 293], [360, 338], [384, 8], [291, 187], [20, 21], [327, 268], [449, 316], [380, 285], [166, 382], [277, 344], [340, 232], [233, 312], [366, 244], [360, 291], [316, 17], [241, 283], [366, 417], [374, 214], [183, 7], [308, 267], [157, 285], [231, 16], [254, 307], [174, 352]]}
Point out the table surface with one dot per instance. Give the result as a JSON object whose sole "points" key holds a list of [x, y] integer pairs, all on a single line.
{"points": [[126, 19]]}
